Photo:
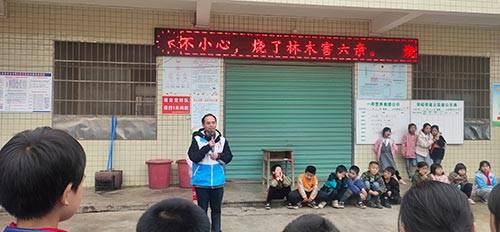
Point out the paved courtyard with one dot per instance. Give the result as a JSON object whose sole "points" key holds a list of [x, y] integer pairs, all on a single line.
{"points": [[249, 219]]}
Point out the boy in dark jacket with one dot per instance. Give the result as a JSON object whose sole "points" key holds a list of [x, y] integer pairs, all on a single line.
{"points": [[421, 174], [334, 188], [374, 185], [356, 188], [391, 194]]}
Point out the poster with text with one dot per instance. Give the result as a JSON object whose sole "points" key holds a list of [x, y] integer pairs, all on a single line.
{"points": [[448, 115], [199, 78], [373, 115], [176, 105], [25, 92], [382, 81], [495, 93]]}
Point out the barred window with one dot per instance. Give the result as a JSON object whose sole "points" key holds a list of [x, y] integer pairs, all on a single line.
{"points": [[457, 78], [96, 80]]}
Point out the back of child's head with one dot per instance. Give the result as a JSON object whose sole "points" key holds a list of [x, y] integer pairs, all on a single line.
{"points": [[494, 207], [36, 168], [435, 206], [422, 164], [311, 169], [390, 170], [460, 166], [310, 223], [435, 167], [174, 215], [354, 168], [340, 169]]}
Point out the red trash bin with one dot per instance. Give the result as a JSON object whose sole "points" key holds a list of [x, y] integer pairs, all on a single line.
{"points": [[183, 173], [159, 173]]}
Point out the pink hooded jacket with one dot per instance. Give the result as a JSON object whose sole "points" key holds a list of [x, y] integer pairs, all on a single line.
{"points": [[409, 146]]}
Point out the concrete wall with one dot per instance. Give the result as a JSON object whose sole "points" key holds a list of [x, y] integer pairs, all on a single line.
{"points": [[26, 44]]}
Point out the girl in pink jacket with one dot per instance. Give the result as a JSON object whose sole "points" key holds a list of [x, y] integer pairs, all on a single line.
{"points": [[408, 149]]}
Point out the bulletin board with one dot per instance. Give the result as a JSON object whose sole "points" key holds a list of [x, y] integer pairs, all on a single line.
{"points": [[448, 115], [373, 115], [198, 78]]}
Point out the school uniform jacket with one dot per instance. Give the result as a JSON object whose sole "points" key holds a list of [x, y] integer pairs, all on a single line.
{"points": [[208, 173]]}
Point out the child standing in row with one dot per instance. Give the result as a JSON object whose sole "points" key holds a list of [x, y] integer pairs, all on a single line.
{"points": [[374, 185], [408, 149], [458, 178], [385, 148], [437, 148], [421, 174], [437, 174], [391, 194], [424, 143], [307, 190], [334, 188]]}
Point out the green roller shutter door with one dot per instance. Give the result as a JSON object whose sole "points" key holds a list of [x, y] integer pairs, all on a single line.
{"points": [[308, 108]]}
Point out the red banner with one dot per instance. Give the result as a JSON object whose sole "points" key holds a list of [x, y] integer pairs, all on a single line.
{"points": [[201, 43], [176, 105]]}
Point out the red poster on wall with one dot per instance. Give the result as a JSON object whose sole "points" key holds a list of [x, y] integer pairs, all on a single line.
{"points": [[246, 45], [176, 105]]}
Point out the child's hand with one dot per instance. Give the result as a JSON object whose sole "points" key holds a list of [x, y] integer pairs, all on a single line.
{"points": [[362, 196]]}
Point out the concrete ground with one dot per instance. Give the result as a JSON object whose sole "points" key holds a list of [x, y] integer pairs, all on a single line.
{"points": [[250, 219], [119, 211]]}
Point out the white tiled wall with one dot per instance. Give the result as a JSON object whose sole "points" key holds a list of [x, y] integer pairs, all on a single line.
{"points": [[26, 44]]}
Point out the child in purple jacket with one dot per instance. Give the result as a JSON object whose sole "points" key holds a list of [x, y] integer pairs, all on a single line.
{"points": [[356, 188]]}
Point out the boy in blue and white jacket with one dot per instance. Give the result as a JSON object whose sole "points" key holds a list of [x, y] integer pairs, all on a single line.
{"points": [[209, 152]]}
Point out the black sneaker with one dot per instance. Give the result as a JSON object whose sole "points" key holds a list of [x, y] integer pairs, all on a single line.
{"points": [[268, 206], [371, 204], [378, 205], [360, 205], [290, 206], [313, 205], [387, 205]]}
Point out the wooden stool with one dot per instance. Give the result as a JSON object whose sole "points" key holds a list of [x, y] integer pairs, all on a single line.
{"points": [[282, 155]]}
